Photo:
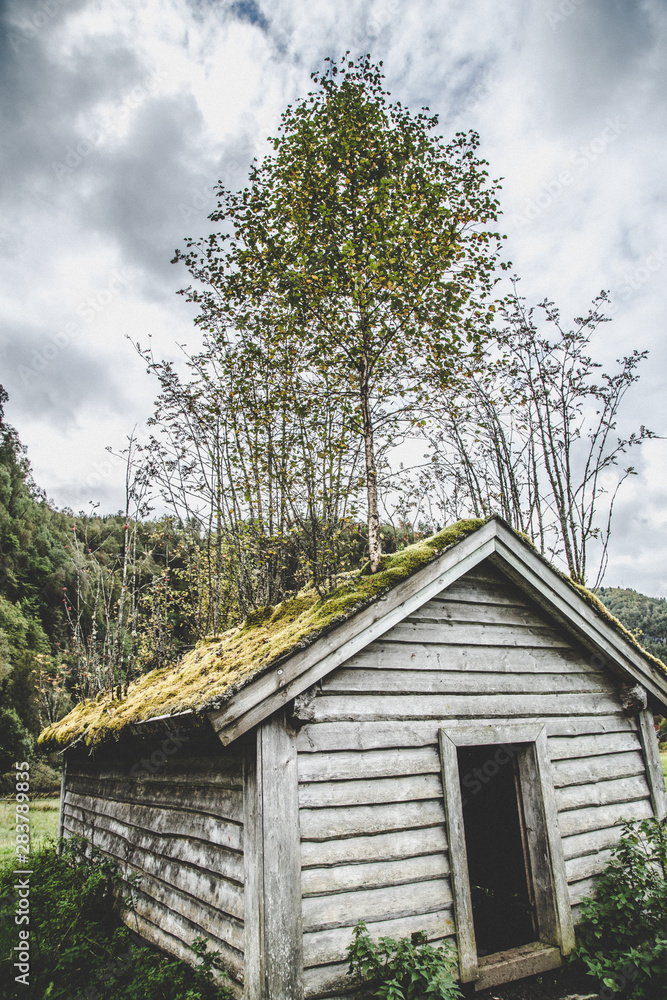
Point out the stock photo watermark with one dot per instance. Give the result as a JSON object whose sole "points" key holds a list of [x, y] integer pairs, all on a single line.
{"points": [[74, 156], [21, 950], [32, 25], [564, 10], [580, 159], [89, 310]]}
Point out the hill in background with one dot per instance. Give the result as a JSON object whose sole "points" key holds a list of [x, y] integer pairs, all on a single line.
{"points": [[645, 616]]}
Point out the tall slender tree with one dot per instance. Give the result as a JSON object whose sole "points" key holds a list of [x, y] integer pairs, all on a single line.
{"points": [[365, 238]]}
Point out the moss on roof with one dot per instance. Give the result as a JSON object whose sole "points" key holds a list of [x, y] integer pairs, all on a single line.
{"points": [[604, 612], [218, 667]]}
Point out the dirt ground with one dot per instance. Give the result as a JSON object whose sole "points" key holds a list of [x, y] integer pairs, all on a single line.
{"points": [[563, 984]]}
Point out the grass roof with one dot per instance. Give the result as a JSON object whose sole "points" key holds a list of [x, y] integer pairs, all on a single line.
{"points": [[218, 667]]}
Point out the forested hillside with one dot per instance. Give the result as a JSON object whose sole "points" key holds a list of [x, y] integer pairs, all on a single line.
{"points": [[645, 616]]}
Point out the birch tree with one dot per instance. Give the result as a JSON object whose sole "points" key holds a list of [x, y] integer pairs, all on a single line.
{"points": [[368, 240]]}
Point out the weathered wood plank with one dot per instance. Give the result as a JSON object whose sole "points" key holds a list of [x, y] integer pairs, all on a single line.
{"points": [[478, 635], [479, 591], [327, 824], [376, 707], [213, 801], [589, 745], [601, 817], [282, 938], [376, 847], [329, 982], [356, 680], [323, 947], [223, 771], [358, 792], [221, 894], [216, 830], [566, 726], [253, 868], [580, 844], [347, 765], [602, 793], [386, 655], [458, 859], [579, 890], [344, 878], [654, 773], [583, 770], [446, 610], [175, 843], [344, 910], [181, 928], [154, 934], [587, 866]]}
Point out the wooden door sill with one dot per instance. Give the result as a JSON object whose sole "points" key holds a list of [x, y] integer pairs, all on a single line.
{"points": [[516, 963]]}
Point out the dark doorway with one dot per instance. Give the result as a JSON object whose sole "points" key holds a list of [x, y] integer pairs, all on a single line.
{"points": [[498, 865]]}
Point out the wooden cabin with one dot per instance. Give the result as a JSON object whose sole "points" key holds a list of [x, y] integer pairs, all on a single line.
{"points": [[448, 746]]}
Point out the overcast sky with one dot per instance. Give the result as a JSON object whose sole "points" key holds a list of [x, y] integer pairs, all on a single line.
{"points": [[118, 118]]}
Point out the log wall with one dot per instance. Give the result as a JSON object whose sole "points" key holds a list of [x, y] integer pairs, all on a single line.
{"points": [[178, 826], [370, 788]]}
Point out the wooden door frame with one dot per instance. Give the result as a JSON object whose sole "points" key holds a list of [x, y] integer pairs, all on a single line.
{"points": [[554, 912]]}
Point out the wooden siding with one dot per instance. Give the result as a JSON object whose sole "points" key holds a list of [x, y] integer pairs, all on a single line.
{"points": [[371, 798], [180, 829]]}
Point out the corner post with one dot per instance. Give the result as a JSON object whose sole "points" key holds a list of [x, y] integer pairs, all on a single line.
{"points": [[273, 922]]}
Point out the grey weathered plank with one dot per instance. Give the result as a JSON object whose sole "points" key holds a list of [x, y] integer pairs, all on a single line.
{"points": [[344, 878], [329, 982], [579, 890], [282, 938], [172, 944], [216, 830], [345, 909], [478, 635], [372, 764], [224, 860], [567, 747], [220, 893], [392, 846], [253, 868], [377, 707], [357, 680], [212, 801], [602, 793], [445, 610], [587, 865], [182, 929], [408, 788], [596, 725], [223, 771], [458, 858], [478, 591], [579, 844], [601, 817], [583, 770], [326, 824], [654, 773], [322, 947], [387, 655]]}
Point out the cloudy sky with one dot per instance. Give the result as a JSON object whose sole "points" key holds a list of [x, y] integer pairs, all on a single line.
{"points": [[118, 117]]}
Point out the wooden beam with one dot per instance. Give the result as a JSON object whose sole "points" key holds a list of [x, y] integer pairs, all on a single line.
{"points": [[61, 807], [272, 862], [458, 859], [654, 775]]}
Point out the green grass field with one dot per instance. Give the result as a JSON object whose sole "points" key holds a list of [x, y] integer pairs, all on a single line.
{"points": [[663, 758], [43, 823]]}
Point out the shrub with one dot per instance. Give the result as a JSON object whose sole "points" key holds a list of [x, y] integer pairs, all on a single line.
{"points": [[623, 932], [79, 950], [405, 969]]}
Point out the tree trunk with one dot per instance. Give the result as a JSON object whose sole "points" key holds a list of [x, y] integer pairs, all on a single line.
{"points": [[374, 542]]}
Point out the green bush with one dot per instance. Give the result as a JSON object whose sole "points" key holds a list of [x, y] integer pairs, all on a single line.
{"points": [[15, 740], [623, 933], [79, 950], [405, 969]]}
